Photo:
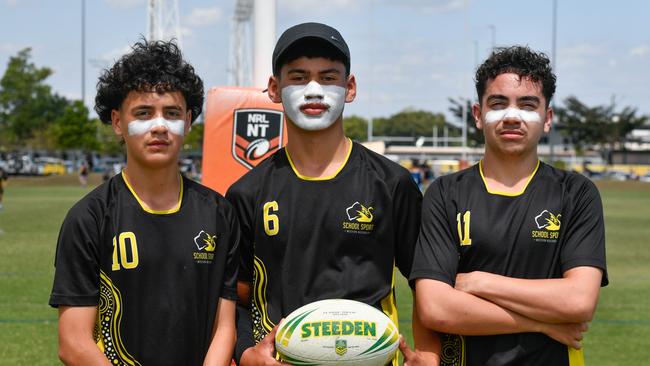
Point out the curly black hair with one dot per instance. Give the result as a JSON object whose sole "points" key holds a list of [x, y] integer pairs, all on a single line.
{"points": [[519, 60], [150, 66]]}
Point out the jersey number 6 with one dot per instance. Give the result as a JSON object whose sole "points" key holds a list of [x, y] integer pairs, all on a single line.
{"points": [[271, 220]]}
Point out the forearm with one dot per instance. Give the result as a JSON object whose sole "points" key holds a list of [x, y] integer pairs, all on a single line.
{"points": [[426, 341], [76, 343], [571, 299], [445, 309], [223, 335], [221, 349]]}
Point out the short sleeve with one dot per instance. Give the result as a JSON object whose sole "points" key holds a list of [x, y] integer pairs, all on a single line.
{"points": [[229, 288], [584, 238], [76, 276], [244, 215], [407, 207], [436, 251]]}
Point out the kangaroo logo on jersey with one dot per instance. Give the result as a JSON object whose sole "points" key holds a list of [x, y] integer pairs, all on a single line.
{"points": [[206, 244], [257, 133], [360, 219], [549, 227]]}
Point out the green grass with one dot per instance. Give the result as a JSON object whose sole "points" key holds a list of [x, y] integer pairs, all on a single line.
{"points": [[35, 208]]}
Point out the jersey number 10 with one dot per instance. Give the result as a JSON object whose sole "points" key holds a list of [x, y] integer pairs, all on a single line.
{"points": [[123, 261]]}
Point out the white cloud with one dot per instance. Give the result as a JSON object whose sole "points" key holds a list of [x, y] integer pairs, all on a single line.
{"points": [[579, 55], [640, 51], [310, 7], [10, 47], [204, 17], [124, 4]]}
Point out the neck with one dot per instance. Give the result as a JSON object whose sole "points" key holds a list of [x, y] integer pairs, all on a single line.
{"points": [[317, 154], [508, 174], [158, 189]]}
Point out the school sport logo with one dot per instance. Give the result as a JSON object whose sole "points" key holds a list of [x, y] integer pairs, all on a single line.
{"points": [[206, 244], [548, 226], [257, 133], [360, 219]]}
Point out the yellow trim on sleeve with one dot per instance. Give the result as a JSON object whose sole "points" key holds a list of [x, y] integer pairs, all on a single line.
{"points": [[156, 212], [304, 177], [576, 357], [509, 194]]}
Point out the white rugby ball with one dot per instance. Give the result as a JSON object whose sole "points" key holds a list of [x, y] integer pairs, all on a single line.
{"points": [[337, 332]]}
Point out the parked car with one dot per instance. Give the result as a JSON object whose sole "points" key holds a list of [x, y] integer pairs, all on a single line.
{"points": [[50, 166]]}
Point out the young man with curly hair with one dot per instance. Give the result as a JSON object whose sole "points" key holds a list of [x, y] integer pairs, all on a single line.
{"points": [[511, 251], [146, 264]]}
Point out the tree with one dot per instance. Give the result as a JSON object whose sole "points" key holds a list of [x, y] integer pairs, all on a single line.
{"points": [[587, 127], [356, 128], [409, 122], [194, 139], [74, 130], [475, 136], [27, 104]]}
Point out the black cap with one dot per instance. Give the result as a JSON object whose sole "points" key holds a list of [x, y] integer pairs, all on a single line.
{"points": [[310, 30]]}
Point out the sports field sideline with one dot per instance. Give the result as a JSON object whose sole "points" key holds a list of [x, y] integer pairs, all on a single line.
{"points": [[35, 207]]}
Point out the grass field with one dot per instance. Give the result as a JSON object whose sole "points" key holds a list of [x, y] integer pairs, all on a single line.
{"points": [[35, 207]]}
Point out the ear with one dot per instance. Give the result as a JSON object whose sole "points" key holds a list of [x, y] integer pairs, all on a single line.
{"points": [[273, 89], [116, 122], [351, 89], [549, 119], [476, 112]]}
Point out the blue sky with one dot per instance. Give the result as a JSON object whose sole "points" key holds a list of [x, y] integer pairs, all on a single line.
{"points": [[405, 54]]}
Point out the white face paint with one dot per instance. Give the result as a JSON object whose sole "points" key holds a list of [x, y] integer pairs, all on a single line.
{"points": [[140, 127], [294, 97], [501, 114]]}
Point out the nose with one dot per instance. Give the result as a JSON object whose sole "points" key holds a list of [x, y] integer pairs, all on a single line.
{"points": [[314, 90], [512, 115], [159, 126]]}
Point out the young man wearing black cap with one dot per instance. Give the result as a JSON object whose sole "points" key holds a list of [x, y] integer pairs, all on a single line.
{"points": [[324, 217]]}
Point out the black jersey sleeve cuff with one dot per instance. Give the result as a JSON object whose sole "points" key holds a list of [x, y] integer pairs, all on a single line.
{"points": [[229, 294], [58, 300], [588, 262], [431, 275]]}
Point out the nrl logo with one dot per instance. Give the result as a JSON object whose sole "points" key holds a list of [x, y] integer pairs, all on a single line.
{"points": [[257, 134], [341, 346], [548, 221]]}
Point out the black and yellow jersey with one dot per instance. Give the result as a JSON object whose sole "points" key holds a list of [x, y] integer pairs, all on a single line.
{"points": [[156, 276], [306, 239], [553, 225]]}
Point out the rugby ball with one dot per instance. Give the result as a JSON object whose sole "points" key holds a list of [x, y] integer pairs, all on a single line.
{"points": [[337, 332]]}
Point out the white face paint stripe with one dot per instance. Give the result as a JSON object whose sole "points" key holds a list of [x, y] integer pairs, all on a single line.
{"points": [[501, 114], [140, 127], [295, 96]]}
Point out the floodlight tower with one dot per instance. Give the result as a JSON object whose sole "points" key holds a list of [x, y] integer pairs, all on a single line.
{"points": [[239, 72], [163, 21], [258, 17]]}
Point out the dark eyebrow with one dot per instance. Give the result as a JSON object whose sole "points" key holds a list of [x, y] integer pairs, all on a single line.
{"points": [[496, 98], [529, 98], [296, 71], [330, 71]]}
